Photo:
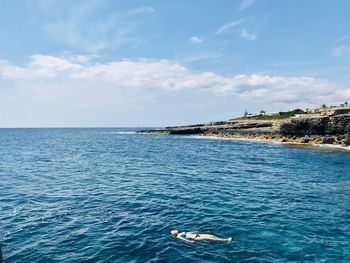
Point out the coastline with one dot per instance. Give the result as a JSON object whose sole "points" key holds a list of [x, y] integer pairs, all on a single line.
{"points": [[331, 130], [260, 139], [276, 141]]}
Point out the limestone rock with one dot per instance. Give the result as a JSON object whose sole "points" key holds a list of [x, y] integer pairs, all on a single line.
{"points": [[346, 140], [328, 140], [306, 129]]}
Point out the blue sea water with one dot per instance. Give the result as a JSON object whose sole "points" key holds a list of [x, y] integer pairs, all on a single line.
{"points": [[101, 195]]}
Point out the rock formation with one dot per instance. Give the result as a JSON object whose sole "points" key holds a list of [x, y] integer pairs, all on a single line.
{"points": [[317, 129]]}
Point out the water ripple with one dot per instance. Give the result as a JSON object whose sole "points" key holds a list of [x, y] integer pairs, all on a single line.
{"points": [[108, 195]]}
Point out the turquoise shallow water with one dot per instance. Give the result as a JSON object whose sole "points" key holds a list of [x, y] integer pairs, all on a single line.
{"points": [[96, 195]]}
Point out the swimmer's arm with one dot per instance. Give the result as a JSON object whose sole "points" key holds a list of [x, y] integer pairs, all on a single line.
{"points": [[185, 239]]}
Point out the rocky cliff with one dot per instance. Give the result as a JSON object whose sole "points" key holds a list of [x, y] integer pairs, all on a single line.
{"points": [[334, 129]]}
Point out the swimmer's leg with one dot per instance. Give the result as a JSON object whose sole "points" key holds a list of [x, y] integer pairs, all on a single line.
{"points": [[212, 237]]}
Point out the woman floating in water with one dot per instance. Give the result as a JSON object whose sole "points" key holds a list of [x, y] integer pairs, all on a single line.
{"points": [[191, 237]]}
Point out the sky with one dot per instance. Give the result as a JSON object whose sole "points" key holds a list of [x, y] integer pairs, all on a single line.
{"points": [[107, 63]]}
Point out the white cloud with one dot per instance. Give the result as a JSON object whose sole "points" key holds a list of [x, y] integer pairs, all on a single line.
{"points": [[341, 51], [142, 10], [80, 58], [343, 38], [195, 40], [289, 90], [212, 56], [227, 26], [40, 67], [166, 75], [247, 35], [3, 63], [245, 4]]}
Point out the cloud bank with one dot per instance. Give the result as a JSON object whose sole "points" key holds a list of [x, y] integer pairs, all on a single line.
{"points": [[158, 75]]}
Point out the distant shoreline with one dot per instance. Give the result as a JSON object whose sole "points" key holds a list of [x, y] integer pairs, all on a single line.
{"points": [[337, 147], [329, 126], [291, 143]]}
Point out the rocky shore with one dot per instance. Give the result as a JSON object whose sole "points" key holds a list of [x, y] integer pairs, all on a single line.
{"points": [[305, 129]]}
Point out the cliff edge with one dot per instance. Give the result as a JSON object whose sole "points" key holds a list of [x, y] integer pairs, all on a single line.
{"points": [[329, 128]]}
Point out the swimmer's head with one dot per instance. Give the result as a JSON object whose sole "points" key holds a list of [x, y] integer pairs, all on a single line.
{"points": [[174, 232]]}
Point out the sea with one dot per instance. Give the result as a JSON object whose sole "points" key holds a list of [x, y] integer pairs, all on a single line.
{"points": [[110, 195]]}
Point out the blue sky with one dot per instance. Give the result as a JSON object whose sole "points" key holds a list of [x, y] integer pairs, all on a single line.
{"points": [[153, 63]]}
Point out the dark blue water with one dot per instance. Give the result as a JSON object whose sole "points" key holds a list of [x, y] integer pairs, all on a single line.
{"points": [[93, 195]]}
